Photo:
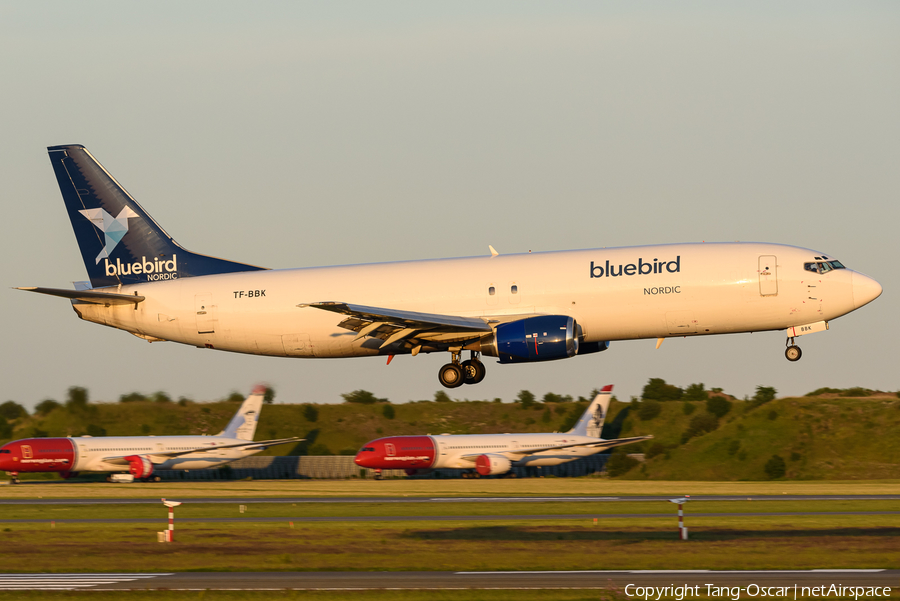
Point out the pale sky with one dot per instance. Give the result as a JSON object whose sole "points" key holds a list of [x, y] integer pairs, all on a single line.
{"points": [[290, 134]]}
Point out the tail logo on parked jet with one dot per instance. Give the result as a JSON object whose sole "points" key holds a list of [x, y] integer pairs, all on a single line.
{"points": [[113, 228]]}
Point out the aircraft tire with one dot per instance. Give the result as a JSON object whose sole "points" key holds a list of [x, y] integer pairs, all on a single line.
{"points": [[473, 371], [451, 375], [793, 353]]}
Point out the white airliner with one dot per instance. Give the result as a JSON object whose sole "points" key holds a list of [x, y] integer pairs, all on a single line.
{"points": [[494, 454], [139, 456], [518, 308]]}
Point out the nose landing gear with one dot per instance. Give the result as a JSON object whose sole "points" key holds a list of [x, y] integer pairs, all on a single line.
{"points": [[792, 352], [455, 374]]}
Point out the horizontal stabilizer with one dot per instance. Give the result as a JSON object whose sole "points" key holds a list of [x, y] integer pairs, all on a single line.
{"points": [[89, 296]]}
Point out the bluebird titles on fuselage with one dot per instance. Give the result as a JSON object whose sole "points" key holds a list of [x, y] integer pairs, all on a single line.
{"points": [[639, 268]]}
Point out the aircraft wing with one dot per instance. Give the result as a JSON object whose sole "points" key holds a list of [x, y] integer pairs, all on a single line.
{"points": [[88, 296], [600, 444], [157, 457], [392, 325]]}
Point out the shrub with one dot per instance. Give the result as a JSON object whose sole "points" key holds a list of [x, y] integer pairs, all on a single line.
{"points": [[551, 397], [364, 397], [764, 394], [95, 430], [546, 416], [12, 410], [441, 396], [46, 406], [311, 413], [162, 397], [77, 398], [688, 408], [700, 424], [718, 405], [648, 409], [133, 397], [388, 411], [525, 399], [775, 467], [657, 448], [620, 463], [773, 415], [658, 390], [695, 392], [234, 397], [856, 391], [6, 429], [821, 391], [269, 395], [734, 446]]}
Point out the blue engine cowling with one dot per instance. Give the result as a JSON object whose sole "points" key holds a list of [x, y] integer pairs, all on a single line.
{"points": [[540, 338]]}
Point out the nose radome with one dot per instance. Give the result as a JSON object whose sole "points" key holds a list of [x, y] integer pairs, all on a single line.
{"points": [[865, 289]]}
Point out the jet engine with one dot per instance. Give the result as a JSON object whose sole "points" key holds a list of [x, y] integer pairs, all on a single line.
{"points": [[540, 338], [490, 465], [139, 466]]}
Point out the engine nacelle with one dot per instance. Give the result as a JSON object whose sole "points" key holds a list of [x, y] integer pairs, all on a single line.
{"points": [[139, 466], [541, 338], [490, 465], [592, 347]]}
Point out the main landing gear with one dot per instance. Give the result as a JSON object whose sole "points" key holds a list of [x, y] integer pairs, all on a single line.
{"points": [[792, 352], [456, 374]]}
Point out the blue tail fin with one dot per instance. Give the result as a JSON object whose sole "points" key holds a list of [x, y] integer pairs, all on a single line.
{"points": [[120, 243]]}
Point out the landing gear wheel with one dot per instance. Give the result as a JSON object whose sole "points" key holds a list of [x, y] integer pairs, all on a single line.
{"points": [[793, 353], [451, 375], [473, 371]]}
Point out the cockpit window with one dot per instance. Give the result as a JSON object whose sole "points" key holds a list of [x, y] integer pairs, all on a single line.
{"points": [[369, 449], [823, 266]]}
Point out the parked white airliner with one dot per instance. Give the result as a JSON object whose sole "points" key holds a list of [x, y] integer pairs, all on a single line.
{"points": [[494, 454], [518, 308], [140, 455]]}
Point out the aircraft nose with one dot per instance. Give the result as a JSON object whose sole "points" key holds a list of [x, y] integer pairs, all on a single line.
{"points": [[865, 289]]}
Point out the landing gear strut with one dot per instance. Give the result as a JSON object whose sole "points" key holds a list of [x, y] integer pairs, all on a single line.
{"points": [[455, 374], [792, 352]]}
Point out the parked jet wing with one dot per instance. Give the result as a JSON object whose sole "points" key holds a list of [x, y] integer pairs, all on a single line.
{"points": [[601, 444], [159, 457]]}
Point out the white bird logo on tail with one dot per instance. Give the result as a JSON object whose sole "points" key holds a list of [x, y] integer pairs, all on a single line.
{"points": [[113, 228]]}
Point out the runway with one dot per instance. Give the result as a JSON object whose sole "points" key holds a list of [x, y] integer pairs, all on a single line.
{"points": [[441, 518], [350, 581], [374, 500]]}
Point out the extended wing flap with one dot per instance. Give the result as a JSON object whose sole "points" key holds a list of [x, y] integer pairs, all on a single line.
{"points": [[88, 296], [362, 316]]}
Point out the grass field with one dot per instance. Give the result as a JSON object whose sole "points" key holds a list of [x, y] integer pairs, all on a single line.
{"points": [[542, 487], [716, 542], [189, 510]]}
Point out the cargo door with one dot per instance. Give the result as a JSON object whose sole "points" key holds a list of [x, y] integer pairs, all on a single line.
{"points": [[206, 314], [768, 275]]}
